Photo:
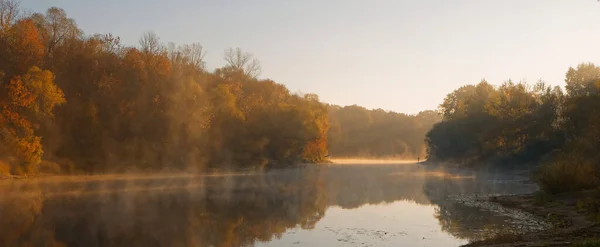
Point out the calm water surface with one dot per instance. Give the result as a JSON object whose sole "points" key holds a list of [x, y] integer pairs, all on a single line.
{"points": [[329, 205]]}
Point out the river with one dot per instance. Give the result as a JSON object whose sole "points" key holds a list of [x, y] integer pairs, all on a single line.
{"points": [[318, 205]]}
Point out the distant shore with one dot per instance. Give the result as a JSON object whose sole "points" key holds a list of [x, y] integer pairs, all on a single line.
{"points": [[571, 227]]}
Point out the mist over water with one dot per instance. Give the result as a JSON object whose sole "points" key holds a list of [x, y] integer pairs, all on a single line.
{"points": [[324, 205], [366, 161]]}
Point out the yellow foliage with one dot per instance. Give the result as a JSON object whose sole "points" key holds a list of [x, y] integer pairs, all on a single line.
{"points": [[41, 84], [30, 98], [29, 149]]}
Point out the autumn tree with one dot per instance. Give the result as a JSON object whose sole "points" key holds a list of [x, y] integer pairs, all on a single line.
{"points": [[243, 61], [148, 107], [9, 13], [150, 43], [31, 100], [192, 54], [55, 28], [482, 122]]}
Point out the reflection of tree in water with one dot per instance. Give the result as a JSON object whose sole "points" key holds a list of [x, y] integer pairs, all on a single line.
{"points": [[468, 222], [227, 210], [355, 185], [230, 211], [19, 225]]}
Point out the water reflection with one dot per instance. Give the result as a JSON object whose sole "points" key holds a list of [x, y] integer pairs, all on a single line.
{"points": [[464, 212], [458, 197], [188, 211], [243, 209]]}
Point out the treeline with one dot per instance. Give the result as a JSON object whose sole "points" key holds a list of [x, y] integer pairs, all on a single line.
{"points": [[359, 132], [517, 124], [76, 102]]}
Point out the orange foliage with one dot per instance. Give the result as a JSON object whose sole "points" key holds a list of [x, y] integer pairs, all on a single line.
{"points": [[148, 108], [30, 98], [19, 95], [26, 45]]}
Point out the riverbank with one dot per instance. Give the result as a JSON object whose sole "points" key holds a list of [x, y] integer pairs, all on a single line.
{"points": [[574, 216]]}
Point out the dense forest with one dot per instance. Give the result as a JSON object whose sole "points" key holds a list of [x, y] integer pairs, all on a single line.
{"points": [[71, 102], [74, 102], [359, 132], [518, 125]]}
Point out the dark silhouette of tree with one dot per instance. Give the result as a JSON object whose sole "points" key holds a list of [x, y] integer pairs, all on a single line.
{"points": [[483, 123], [516, 124]]}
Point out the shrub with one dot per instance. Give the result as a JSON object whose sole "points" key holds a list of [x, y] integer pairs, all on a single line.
{"points": [[564, 175]]}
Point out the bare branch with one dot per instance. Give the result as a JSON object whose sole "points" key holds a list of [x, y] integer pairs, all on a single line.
{"points": [[246, 62], [150, 43], [56, 27], [188, 54], [9, 12], [111, 43], [194, 53]]}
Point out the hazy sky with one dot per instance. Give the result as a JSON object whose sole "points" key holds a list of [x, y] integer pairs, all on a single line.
{"points": [[396, 55]]}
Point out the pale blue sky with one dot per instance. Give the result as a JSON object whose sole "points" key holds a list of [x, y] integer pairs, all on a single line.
{"points": [[396, 55]]}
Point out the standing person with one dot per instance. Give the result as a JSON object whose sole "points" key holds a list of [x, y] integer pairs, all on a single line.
{"points": [[418, 159]]}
